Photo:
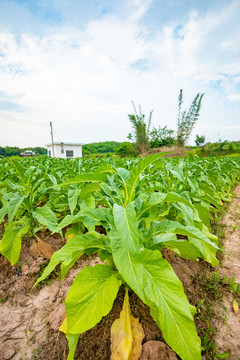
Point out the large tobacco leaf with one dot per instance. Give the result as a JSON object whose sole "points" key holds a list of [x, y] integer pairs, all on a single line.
{"points": [[89, 217], [72, 199], [91, 297], [158, 198], [72, 251], [45, 216], [10, 245], [125, 220], [91, 177], [205, 247], [180, 246], [14, 204], [154, 281]]}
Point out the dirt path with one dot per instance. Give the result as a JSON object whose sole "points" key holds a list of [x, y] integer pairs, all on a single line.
{"points": [[228, 332]]}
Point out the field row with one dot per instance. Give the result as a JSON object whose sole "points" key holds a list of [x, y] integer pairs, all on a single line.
{"points": [[126, 211]]}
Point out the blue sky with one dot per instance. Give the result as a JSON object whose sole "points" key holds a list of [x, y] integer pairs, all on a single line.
{"points": [[80, 64]]}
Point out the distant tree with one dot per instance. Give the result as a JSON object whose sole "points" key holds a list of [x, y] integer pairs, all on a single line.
{"points": [[200, 140], [125, 149], [100, 147], [141, 129], [39, 150], [161, 136], [187, 119], [2, 151], [12, 151]]}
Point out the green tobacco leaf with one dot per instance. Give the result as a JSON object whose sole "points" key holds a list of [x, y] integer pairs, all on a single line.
{"points": [[10, 245], [13, 207], [89, 201], [72, 344], [169, 226], [67, 220], [126, 260], [205, 251], [164, 293], [212, 201], [123, 173], [76, 229], [90, 188], [91, 216], [52, 178], [181, 247], [111, 194], [107, 168], [156, 198], [204, 213], [72, 199], [137, 171], [155, 282], [72, 250], [19, 169], [125, 220], [91, 297], [91, 177], [116, 189], [45, 216], [88, 216], [3, 212], [176, 174], [205, 247]]}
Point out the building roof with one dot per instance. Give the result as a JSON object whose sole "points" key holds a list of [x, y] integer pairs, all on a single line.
{"points": [[65, 143]]}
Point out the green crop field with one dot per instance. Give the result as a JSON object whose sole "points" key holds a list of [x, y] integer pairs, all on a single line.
{"points": [[126, 211]]}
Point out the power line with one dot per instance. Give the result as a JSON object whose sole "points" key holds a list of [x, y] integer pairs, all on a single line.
{"points": [[12, 119]]}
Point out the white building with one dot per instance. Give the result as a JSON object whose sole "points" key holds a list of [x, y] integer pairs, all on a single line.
{"points": [[64, 150]]}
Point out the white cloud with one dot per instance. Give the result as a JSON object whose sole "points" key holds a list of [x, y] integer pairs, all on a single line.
{"points": [[82, 80], [234, 97], [138, 8]]}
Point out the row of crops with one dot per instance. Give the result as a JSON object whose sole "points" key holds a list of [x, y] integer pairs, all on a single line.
{"points": [[126, 211]]}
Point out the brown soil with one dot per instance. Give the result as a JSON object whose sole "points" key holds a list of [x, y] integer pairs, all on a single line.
{"points": [[228, 330], [29, 320]]}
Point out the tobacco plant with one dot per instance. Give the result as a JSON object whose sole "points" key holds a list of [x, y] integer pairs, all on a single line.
{"points": [[134, 217], [24, 198], [140, 207]]}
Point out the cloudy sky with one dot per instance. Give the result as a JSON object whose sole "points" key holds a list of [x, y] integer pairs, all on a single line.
{"points": [[80, 63]]}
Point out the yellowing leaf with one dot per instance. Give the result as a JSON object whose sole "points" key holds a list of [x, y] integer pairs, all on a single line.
{"points": [[221, 203], [126, 335], [69, 237], [235, 306], [63, 326]]}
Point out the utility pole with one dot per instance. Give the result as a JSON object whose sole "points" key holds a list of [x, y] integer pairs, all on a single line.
{"points": [[52, 139]]}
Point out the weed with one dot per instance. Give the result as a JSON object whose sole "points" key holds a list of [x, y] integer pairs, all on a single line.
{"points": [[210, 347], [234, 227], [35, 353], [55, 274], [234, 286]]}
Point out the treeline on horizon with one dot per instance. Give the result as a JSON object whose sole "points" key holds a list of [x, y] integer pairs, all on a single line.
{"points": [[88, 149], [107, 148], [16, 151]]}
